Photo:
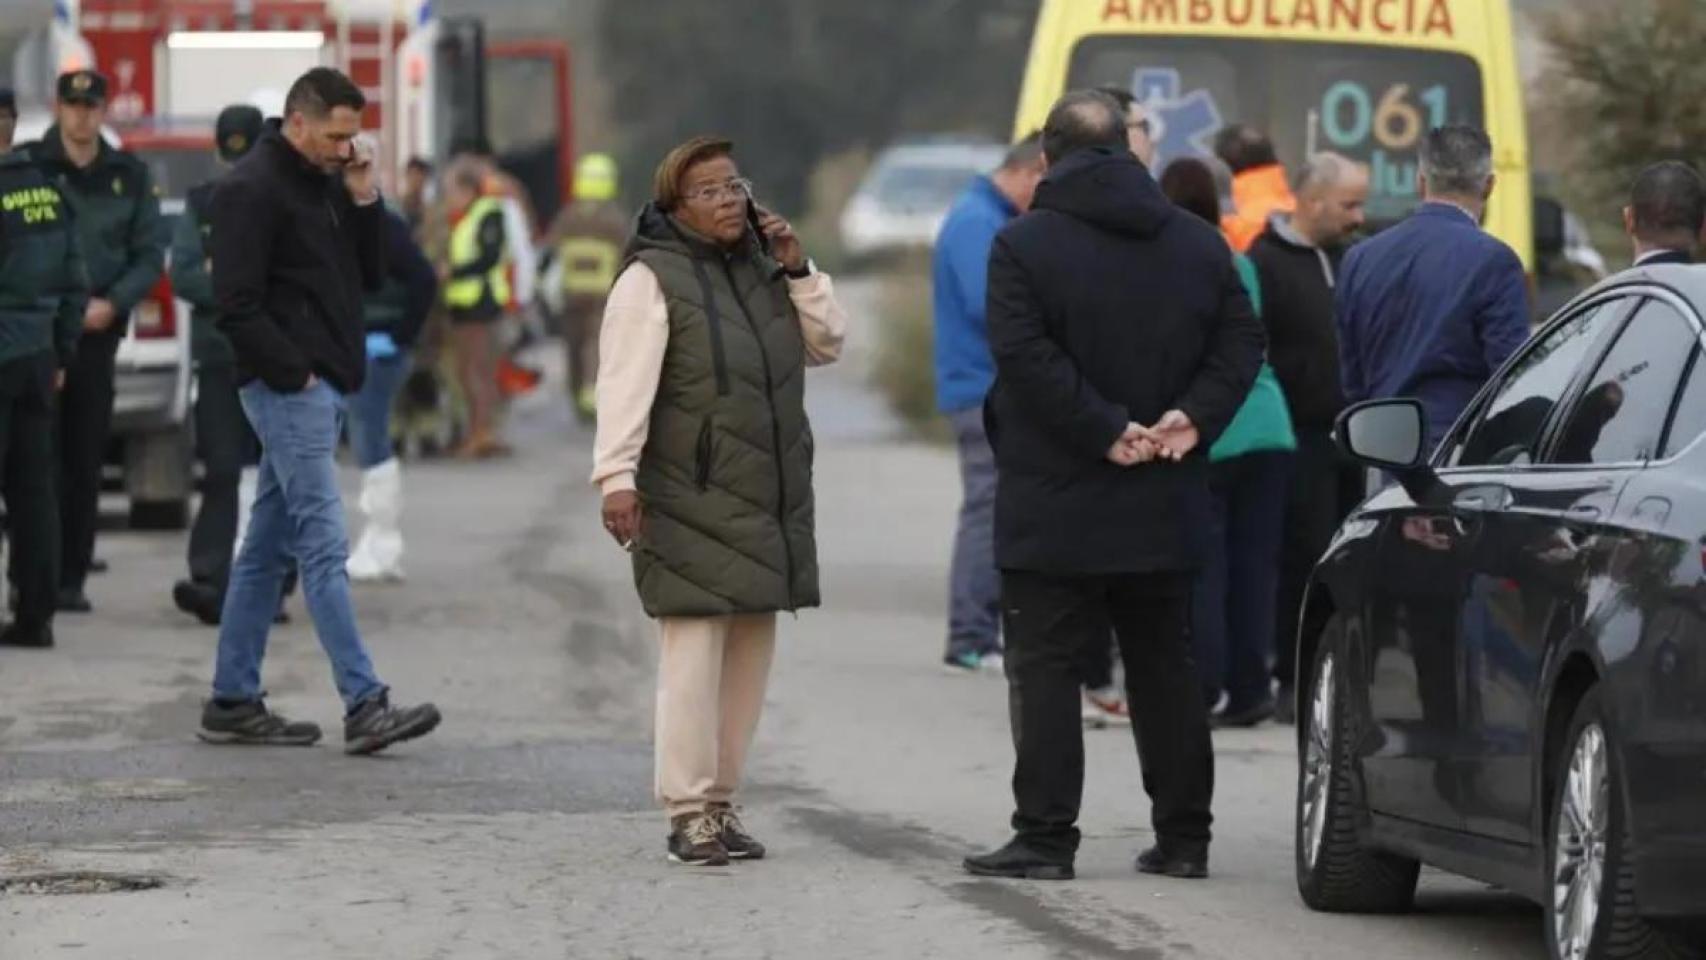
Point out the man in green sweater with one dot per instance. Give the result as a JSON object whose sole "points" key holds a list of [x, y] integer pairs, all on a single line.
{"points": [[43, 293]]}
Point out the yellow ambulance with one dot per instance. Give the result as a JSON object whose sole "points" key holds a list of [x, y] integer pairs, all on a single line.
{"points": [[1364, 78]]}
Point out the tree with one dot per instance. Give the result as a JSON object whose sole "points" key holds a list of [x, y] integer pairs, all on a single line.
{"points": [[793, 81], [1626, 87]]}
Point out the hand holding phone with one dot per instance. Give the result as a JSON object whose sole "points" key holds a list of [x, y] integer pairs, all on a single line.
{"points": [[777, 236]]}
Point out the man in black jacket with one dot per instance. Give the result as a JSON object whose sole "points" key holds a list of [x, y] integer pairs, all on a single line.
{"points": [[289, 296], [1297, 262], [1124, 343]]}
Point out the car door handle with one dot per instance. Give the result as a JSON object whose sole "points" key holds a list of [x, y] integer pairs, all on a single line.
{"points": [[1585, 511], [1483, 499]]}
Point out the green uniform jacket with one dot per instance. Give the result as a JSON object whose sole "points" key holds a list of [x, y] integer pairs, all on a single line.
{"points": [[118, 220], [44, 286], [192, 250], [726, 473]]}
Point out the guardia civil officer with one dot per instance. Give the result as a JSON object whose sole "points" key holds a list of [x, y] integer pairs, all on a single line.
{"points": [[116, 211], [44, 290]]}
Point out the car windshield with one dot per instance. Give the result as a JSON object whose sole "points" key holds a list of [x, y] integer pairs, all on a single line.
{"points": [[1369, 103], [921, 186], [176, 170]]}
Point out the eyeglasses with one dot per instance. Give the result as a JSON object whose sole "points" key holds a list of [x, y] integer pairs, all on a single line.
{"points": [[739, 189]]}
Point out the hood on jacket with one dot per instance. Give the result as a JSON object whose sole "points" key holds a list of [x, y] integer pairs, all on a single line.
{"points": [[1107, 188], [656, 230]]}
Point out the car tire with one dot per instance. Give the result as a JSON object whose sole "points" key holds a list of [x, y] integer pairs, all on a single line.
{"points": [[1595, 832], [159, 514], [1336, 871]]}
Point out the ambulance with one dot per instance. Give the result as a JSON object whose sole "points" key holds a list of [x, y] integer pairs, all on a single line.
{"points": [[1363, 78]]}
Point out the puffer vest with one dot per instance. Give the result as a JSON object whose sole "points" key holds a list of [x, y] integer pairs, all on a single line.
{"points": [[726, 473]]}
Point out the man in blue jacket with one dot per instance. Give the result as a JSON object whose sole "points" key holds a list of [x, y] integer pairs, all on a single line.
{"points": [[964, 372], [1431, 308]]}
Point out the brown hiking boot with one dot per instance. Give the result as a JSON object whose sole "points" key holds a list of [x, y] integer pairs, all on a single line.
{"points": [[696, 841]]}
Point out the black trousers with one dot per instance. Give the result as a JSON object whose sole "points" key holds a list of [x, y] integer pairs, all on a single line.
{"points": [[85, 418], [225, 443], [1316, 504], [1048, 622], [27, 475]]}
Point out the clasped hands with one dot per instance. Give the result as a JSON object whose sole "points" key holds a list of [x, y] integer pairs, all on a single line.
{"points": [[1171, 439]]}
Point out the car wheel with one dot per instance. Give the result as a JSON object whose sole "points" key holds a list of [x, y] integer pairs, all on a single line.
{"points": [[1336, 871], [1590, 902], [159, 514]]}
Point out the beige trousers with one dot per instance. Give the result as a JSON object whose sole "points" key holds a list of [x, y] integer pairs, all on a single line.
{"points": [[712, 673]]}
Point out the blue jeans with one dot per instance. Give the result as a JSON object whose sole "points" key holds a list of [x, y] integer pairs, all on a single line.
{"points": [[298, 513], [370, 410], [974, 605], [1236, 595]]}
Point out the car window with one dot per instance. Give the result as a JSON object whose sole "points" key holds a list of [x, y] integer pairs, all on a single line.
{"points": [[1510, 425], [1621, 415], [1690, 420]]}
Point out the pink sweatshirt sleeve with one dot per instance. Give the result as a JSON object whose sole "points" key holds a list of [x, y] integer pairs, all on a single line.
{"points": [[823, 324], [631, 347]]}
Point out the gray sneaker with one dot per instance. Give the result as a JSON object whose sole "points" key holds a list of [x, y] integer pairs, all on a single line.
{"points": [[376, 725], [252, 724]]}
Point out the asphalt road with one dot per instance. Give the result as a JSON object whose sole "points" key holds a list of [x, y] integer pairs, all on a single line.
{"points": [[524, 828]]}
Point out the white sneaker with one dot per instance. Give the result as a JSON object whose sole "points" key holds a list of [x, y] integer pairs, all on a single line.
{"points": [[993, 663], [1105, 707]]}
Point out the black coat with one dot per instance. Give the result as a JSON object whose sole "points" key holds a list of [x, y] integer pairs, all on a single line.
{"points": [[1107, 306], [1303, 337], [293, 260]]}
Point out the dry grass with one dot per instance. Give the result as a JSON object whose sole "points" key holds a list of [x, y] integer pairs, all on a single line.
{"points": [[905, 370]]}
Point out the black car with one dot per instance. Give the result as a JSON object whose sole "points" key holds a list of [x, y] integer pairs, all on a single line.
{"points": [[1503, 655]]}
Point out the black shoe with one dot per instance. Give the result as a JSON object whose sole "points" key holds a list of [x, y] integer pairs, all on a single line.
{"points": [[97, 565], [282, 617], [199, 600], [74, 601], [252, 724], [1018, 862], [32, 638], [736, 840], [1285, 705], [1178, 864], [696, 840], [376, 725], [1243, 717]]}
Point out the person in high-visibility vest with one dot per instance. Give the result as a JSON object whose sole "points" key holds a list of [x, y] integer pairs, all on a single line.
{"points": [[587, 239], [476, 292]]}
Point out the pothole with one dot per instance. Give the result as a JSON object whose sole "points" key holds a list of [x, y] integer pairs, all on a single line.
{"points": [[77, 882]]}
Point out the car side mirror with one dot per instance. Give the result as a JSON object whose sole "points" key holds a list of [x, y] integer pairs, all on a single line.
{"points": [[1387, 434], [1549, 236]]}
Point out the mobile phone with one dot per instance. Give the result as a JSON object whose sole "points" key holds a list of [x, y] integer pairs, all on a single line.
{"points": [[752, 220]]}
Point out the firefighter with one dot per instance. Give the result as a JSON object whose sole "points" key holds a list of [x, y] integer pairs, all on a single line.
{"points": [[587, 240], [44, 291], [116, 210], [476, 291]]}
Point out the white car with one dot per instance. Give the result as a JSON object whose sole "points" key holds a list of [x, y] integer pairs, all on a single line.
{"points": [[907, 194], [151, 404]]}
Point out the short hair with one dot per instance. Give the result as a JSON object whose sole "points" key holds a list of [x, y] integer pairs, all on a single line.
{"points": [[666, 183], [1189, 183], [467, 173], [1319, 170], [419, 164], [1668, 200], [320, 91], [1122, 96], [1243, 147], [1083, 120], [1457, 159], [1026, 153]]}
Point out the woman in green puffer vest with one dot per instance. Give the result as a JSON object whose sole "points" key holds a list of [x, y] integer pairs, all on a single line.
{"points": [[1250, 466], [704, 458]]}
